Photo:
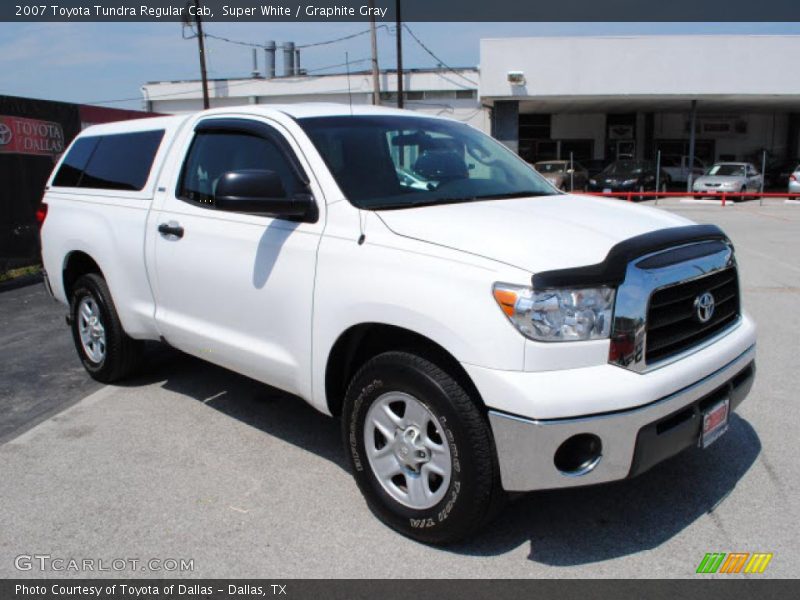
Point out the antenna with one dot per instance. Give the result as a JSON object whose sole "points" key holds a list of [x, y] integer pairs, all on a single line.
{"points": [[349, 93]]}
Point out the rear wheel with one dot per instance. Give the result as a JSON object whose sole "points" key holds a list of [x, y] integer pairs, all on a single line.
{"points": [[420, 448], [106, 351]]}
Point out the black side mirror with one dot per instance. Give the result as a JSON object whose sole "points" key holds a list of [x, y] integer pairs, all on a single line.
{"points": [[261, 192]]}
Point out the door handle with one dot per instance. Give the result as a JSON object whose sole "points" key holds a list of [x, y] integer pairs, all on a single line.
{"points": [[171, 229]]}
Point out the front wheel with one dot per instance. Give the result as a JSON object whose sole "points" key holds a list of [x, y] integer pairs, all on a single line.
{"points": [[106, 351], [421, 450]]}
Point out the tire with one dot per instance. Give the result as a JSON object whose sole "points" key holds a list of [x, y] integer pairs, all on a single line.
{"points": [[742, 198], [468, 496], [110, 354]]}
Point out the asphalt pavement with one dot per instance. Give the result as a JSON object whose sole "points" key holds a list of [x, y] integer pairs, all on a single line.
{"points": [[189, 461]]}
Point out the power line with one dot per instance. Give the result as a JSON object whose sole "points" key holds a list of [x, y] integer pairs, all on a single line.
{"points": [[299, 46], [436, 58]]}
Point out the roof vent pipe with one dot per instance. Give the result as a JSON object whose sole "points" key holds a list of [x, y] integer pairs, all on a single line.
{"points": [[269, 59], [288, 59], [256, 74]]}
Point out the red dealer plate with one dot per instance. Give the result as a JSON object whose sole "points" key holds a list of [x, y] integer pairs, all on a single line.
{"points": [[715, 423]]}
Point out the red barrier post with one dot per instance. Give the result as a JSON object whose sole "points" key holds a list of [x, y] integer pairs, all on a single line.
{"points": [[723, 198]]}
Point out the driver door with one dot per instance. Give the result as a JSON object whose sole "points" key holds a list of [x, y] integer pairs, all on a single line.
{"points": [[233, 288]]}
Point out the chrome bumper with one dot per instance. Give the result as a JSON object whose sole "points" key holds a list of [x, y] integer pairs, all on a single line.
{"points": [[526, 447]]}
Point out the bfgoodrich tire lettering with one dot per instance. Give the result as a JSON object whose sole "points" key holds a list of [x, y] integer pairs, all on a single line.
{"points": [[473, 492], [120, 353]]}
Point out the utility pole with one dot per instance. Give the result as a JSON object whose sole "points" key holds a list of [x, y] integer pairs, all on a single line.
{"points": [[202, 50], [376, 84], [399, 55], [692, 136]]}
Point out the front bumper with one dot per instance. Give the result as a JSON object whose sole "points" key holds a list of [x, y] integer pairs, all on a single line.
{"points": [[632, 440]]}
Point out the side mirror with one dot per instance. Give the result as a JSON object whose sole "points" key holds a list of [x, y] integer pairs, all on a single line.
{"points": [[261, 192]]}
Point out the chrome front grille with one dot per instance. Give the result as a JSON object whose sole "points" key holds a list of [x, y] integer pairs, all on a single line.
{"points": [[673, 324], [655, 316]]}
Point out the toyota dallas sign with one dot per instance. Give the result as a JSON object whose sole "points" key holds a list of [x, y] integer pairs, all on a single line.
{"points": [[19, 135]]}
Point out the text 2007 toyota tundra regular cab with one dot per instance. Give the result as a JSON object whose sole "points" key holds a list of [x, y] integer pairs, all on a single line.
{"points": [[477, 330]]}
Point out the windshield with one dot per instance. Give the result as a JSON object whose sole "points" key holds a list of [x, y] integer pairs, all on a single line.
{"points": [[383, 162], [550, 167], [727, 170], [624, 167]]}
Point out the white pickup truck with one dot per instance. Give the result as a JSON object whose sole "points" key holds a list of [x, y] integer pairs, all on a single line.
{"points": [[476, 330]]}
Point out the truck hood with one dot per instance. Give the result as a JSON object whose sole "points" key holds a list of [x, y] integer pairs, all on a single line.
{"points": [[535, 234]]}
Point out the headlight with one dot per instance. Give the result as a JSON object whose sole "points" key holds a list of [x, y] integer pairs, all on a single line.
{"points": [[560, 315], [629, 181], [593, 181]]}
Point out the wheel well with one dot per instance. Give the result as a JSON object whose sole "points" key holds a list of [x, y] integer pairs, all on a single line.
{"points": [[77, 265], [362, 342]]}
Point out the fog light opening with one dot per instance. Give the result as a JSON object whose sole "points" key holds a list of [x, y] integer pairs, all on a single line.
{"points": [[579, 454]]}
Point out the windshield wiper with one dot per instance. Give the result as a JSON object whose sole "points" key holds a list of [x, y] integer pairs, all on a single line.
{"points": [[419, 203], [509, 195], [457, 200]]}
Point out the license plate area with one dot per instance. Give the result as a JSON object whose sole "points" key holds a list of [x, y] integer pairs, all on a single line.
{"points": [[715, 422], [606, 190]]}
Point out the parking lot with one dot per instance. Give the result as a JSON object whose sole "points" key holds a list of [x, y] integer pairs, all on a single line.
{"points": [[189, 461]]}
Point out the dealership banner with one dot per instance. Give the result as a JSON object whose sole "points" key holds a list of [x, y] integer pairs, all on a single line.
{"points": [[411, 10], [30, 136]]}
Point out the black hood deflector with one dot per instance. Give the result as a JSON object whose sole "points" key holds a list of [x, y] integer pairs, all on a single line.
{"points": [[611, 271]]}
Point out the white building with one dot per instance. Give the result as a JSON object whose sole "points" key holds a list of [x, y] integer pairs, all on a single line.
{"points": [[599, 98], [608, 97], [452, 93]]}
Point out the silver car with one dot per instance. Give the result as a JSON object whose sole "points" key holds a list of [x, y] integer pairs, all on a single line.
{"points": [[794, 181], [729, 177], [563, 176]]}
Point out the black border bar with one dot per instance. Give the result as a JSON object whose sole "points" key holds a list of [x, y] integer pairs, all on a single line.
{"points": [[730, 11], [701, 588]]}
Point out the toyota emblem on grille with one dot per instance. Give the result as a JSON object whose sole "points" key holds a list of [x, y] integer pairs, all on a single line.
{"points": [[704, 307]]}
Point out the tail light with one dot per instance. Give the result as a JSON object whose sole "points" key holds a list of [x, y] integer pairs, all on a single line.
{"points": [[792, 177], [41, 214]]}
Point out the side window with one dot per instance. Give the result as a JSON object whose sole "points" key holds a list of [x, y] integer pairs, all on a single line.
{"points": [[122, 162], [113, 162], [71, 170], [214, 153]]}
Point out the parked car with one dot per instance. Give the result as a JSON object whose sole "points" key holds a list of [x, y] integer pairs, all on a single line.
{"points": [[594, 166], [677, 167], [562, 175], [485, 335], [778, 173], [629, 175], [794, 181], [730, 177]]}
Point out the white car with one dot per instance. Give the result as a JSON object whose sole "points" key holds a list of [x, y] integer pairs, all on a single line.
{"points": [[484, 334], [729, 177], [794, 181], [677, 167]]}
